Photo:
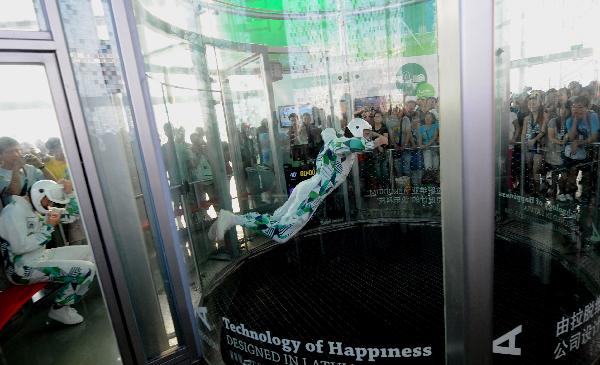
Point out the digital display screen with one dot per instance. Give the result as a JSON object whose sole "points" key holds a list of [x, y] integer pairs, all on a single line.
{"points": [[286, 110]]}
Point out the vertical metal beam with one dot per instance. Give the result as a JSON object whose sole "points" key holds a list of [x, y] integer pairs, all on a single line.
{"points": [[329, 92], [465, 49], [235, 149], [136, 81], [83, 190], [280, 184], [94, 214], [114, 171], [502, 100]]}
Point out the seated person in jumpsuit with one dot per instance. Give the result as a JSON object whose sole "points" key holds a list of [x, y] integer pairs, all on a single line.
{"points": [[26, 225], [334, 162]]}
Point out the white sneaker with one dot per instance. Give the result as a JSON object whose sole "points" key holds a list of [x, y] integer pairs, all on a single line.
{"points": [[561, 198], [224, 222], [569, 197], [66, 315]]}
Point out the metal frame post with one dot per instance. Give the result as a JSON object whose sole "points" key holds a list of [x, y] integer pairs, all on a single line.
{"points": [[465, 46], [137, 85], [84, 190], [273, 127]]}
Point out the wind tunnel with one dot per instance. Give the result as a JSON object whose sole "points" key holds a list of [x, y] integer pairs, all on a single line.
{"points": [[242, 91]]}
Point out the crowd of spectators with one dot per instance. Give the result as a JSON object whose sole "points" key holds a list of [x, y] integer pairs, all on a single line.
{"points": [[412, 151], [411, 157], [551, 153], [22, 164], [552, 142]]}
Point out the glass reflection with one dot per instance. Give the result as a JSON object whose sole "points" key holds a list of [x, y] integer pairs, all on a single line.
{"points": [[96, 63], [48, 284], [268, 102], [248, 94], [547, 97], [22, 15]]}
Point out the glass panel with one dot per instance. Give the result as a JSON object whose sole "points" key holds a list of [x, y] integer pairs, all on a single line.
{"points": [[268, 89], [546, 286], [248, 111], [96, 62], [22, 15], [30, 151]]}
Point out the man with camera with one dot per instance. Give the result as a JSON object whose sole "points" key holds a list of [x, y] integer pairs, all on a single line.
{"points": [[26, 225], [17, 172]]}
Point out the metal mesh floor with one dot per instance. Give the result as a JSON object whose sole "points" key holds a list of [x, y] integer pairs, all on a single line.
{"points": [[381, 286], [356, 286]]}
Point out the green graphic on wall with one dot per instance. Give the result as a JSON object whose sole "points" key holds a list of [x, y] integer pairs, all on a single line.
{"points": [[384, 28], [413, 80], [409, 77], [425, 90]]}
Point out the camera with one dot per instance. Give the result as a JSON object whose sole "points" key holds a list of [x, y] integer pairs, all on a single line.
{"points": [[28, 157], [56, 210]]}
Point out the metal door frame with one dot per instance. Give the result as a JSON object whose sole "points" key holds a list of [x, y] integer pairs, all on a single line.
{"points": [[49, 48], [465, 45], [465, 31], [465, 51], [158, 186], [80, 181]]}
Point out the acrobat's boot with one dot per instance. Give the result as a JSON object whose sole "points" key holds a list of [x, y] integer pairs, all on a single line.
{"points": [[65, 314], [224, 222]]}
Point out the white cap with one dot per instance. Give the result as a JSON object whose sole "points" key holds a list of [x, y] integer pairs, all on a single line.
{"points": [[50, 189], [357, 126]]}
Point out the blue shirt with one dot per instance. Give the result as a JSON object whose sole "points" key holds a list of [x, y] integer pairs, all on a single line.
{"points": [[427, 134], [584, 129]]}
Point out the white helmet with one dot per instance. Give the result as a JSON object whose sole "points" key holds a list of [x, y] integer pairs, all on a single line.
{"points": [[357, 126], [50, 189]]}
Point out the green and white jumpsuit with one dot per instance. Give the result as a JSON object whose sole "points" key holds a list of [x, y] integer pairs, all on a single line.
{"points": [[334, 163], [24, 234]]}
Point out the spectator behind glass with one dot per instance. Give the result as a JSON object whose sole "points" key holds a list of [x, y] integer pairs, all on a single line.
{"points": [[392, 120], [416, 162], [57, 164], [315, 141], [379, 159], [18, 172], [431, 105], [551, 99], [202, 174], [421, 105], [586, 92], [575, 88], [410, 106], [534, 129], [595, 92], [404, 143], [170, 158], [557, 136], [582, 129], [248, 145], [428, 134], [563, 95], [298, 135]]}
